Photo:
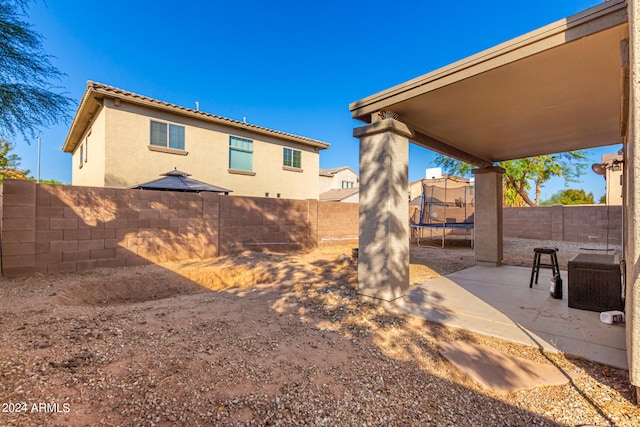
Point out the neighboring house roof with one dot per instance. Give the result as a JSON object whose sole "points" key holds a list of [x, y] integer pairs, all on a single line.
{"points": [[176, 180], [338, 194], [91, 102], [333, 171]]}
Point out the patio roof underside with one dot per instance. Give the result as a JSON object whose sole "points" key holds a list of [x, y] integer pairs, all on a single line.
{"points": [[559, 88]]}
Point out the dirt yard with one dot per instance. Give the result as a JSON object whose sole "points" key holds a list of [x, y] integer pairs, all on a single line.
{"points": [[260, 339]]}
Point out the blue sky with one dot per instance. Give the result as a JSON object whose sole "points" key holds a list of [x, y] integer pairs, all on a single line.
{"points": [[290, 66]]}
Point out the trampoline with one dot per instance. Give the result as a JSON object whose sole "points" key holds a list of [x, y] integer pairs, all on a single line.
{"points": [[447, 206]]}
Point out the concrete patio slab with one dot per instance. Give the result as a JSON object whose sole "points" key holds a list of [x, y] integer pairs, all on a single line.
{"points": [[498, 302]]}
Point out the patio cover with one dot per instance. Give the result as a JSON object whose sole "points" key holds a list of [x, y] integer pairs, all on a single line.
{"points": [[176, 180], [558, 88]]}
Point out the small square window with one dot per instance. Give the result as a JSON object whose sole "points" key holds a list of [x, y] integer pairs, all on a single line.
{"points": [[167, 135], [292, 158]]}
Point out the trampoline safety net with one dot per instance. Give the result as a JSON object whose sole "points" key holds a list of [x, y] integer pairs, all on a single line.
{"points": [[447, 202], [446, 206]]}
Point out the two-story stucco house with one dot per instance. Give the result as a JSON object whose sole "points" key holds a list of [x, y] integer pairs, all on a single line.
{"points": [[121, 139]]}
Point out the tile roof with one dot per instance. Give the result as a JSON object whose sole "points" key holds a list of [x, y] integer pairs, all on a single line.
{"points": [[95, 90], [333, 171], [338, 194]]}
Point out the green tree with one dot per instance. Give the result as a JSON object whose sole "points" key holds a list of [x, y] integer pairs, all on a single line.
{"points": [[10, 163], [570, 196], [523, 175], [28, 98]]}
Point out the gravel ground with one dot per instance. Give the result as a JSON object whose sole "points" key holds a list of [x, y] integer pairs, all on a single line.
{"points": [[262, 339]]}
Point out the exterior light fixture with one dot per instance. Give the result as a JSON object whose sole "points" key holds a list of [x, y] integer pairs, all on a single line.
{"points": [[601, 168]]}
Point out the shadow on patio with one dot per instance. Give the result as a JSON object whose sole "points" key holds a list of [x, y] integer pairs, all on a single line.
{"points": [[498, 302]]}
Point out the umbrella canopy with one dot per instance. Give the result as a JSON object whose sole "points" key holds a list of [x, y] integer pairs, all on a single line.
{"points": [[176, 180]]}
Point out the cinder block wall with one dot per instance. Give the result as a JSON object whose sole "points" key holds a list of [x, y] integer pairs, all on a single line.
{"points": [[582, 223], [592, 225], [527, 223], [19, 221], [257, 223], [56, 228], [338, 223]]}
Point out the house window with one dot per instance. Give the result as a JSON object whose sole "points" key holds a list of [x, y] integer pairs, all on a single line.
{"points": [[292, 158], [240, 154], [81, 155], [167, 135], [86, 150], [347, 184]]}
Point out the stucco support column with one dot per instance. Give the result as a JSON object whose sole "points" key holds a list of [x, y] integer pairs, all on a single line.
{"points": [[632, 201], [383, 255], [488, 215]]}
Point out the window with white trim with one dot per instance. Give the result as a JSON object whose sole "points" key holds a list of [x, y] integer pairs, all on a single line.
{"points": [[240, 154], [347, 184], [167, 135], [291, 158]]}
